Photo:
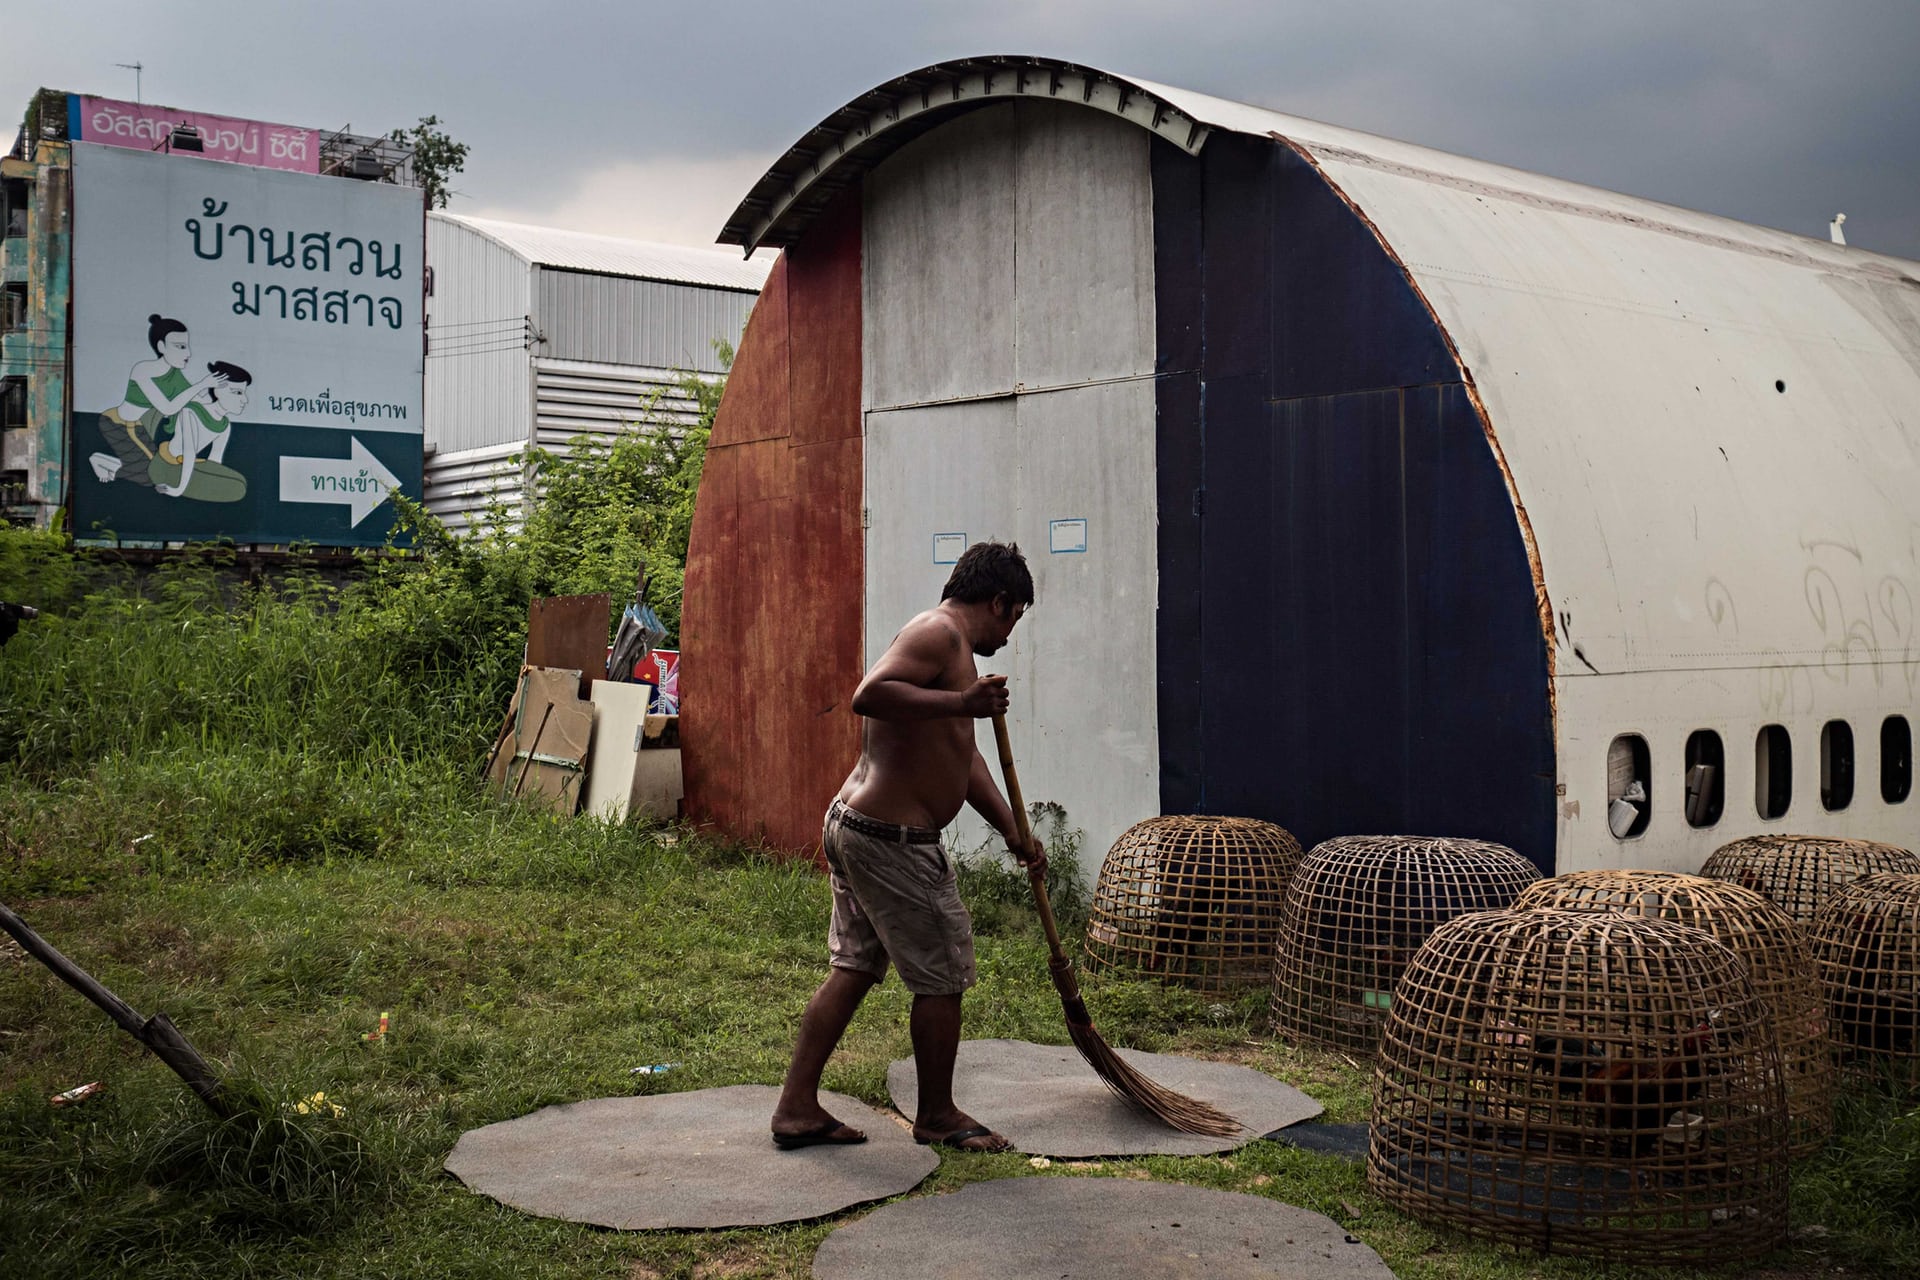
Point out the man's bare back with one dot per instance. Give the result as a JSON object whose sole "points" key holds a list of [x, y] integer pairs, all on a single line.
{"points": [[919, 702]]}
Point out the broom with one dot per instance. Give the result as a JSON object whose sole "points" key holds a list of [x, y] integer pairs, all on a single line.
{"points": [[1189, 1115]]}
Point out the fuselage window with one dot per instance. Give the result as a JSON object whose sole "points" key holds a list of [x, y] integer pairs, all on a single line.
{"points": [[1772, 771], [1836, 765], [1706, 778], [1896, 759], [1629, 777]]}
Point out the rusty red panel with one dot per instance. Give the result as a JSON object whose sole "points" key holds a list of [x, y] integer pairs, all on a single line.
{"points": [[765, 470], [756, 402], [771, 636], [709, 726], [824, 306]]}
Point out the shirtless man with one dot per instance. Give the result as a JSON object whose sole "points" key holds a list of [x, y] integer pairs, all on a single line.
{"points": [[894, 896]]}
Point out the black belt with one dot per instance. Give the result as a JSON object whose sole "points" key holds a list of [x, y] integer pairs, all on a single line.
{"points": [[883, 830]]}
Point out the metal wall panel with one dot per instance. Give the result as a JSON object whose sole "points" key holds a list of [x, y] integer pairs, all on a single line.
{"points": [[771, 628], [479, 390], [616, 320], [1015, 247], [1084, 256], [939, 279], [601, 401], [472, 489]]}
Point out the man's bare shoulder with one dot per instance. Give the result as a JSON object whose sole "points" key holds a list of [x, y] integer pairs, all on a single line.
{"points": [[930, 634]]}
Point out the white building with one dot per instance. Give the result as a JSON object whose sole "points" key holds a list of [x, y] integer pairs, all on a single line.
{"points": [[536, 336]]}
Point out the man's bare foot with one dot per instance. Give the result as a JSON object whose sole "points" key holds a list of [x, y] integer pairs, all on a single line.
{"points": [[968, 1137]]}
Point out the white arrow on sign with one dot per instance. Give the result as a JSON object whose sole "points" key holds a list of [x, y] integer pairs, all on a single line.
{"points": [[360, 481]]}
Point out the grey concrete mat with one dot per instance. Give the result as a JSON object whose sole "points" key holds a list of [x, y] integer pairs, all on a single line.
{"points": [[699, 1159], [1093, 1229], [1048, 1101]]}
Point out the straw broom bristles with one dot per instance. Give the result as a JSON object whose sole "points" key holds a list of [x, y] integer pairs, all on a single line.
{"points": [[1189, 1115]]}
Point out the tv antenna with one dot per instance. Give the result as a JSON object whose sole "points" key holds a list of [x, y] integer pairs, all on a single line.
{"points": [[136, 68]]}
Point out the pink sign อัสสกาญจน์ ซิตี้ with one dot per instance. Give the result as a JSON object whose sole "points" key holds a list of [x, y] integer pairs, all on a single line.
{"points": [[146, 127]]}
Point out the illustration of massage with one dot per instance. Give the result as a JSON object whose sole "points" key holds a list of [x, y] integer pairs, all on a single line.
{"points": [[159, 431]]}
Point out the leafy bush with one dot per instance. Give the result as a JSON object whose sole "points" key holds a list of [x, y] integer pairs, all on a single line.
{"points": [[997, 892], [411, 660]]}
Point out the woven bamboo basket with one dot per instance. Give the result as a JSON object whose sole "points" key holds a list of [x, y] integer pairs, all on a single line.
{"points": [[1866, 942], [1357, 910], [1779, 962], [1192, 900], [1583, 1082], [1802, 872]]}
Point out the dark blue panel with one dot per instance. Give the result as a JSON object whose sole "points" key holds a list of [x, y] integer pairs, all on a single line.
{"points": [[1177, 469], [1370, 659], [1179, 252], [1340, 505], [1243, 616], [1481, 734], [1238, 221], [1177, 633], [1178, 311], [1344, 316]]}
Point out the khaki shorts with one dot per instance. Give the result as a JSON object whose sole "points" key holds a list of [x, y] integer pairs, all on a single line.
{"points": [[896, 899]]}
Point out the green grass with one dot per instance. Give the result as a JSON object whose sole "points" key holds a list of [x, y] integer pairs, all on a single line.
{"points": [[527, 961], [253, 808]]}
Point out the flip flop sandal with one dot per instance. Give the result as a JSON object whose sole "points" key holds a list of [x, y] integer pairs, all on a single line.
{"points": [[953, 1141], [820, 1137]]}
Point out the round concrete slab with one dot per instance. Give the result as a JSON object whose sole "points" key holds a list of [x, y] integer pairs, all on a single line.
{"points": [[1048, 1101], [1093, 1229], [699, 1159]]}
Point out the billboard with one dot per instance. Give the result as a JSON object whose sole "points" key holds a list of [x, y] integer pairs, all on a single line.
{"points": [[246, 351], [144, 127]]}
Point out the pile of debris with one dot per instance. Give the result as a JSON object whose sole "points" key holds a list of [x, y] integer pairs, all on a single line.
{"points": [[590, 724]]}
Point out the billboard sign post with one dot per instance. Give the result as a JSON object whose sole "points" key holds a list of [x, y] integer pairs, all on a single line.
{"points": [[247, 351]]}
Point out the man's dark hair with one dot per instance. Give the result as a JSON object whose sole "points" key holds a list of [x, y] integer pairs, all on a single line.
{"points": [[989, 569], [230, 371]]}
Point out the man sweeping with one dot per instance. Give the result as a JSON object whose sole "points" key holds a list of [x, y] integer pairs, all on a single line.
{"points": [[895, 898]]}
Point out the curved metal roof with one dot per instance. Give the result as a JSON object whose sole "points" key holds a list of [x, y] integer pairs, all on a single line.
{"points": [[874, 125], [1711, 429], [614, 256]]}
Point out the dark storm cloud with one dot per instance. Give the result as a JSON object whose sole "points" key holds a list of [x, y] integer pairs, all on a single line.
{"points": [[1773, 112]]}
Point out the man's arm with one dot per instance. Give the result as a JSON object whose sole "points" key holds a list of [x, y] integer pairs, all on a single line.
{"points": [[904, 684], [984, 795]]}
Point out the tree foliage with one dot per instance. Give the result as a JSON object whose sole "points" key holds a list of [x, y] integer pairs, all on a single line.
{"points": [[436, 158]]}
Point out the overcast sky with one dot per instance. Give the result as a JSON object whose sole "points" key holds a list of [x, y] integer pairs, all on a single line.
{"points": [[652, 121]]}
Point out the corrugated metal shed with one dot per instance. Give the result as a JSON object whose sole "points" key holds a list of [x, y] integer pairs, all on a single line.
{"points": [[1485, 453], [537, 335], [613, 256], [478, 391]]}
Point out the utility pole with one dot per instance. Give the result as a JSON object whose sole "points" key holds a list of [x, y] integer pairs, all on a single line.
{"points": [[136, 68]]}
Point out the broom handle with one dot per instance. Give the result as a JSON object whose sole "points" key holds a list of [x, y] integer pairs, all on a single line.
{"points": [[1061, 966]]}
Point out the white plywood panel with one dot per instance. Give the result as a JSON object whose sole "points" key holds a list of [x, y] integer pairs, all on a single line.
{"points": [[1084, 252], [1081, 668], [619, 711], [1083, 664], [945, 469], [938, 273]]}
